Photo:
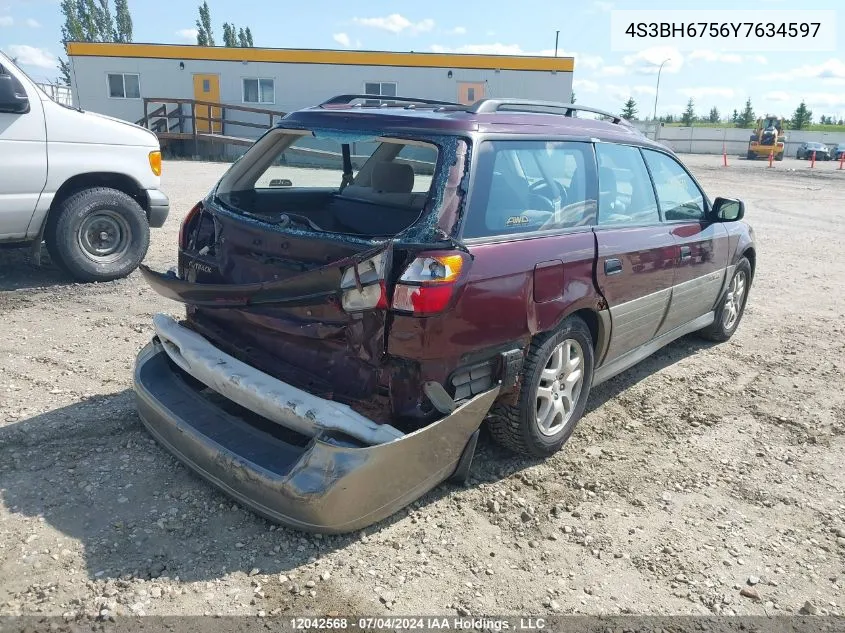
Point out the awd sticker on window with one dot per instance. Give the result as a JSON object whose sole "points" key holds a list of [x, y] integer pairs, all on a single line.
{"points": [[517, 220]]}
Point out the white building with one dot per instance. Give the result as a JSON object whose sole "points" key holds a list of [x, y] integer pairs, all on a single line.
{"points": [[117, 80]]}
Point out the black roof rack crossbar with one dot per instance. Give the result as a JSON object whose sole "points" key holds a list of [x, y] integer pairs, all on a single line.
{"points": [[486, 106], [345, 99]]}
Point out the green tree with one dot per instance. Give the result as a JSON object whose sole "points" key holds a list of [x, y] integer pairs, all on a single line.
{"points": [[714, 115], [245, 38], [735, 116], [747, 118], [629, 110], [205, 36], [230, 40], [802, 117], [123, 21], [689, 114], [92, 21]]}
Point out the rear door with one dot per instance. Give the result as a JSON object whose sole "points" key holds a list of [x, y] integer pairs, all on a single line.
{"points": [[703, 247], [636, 251]]}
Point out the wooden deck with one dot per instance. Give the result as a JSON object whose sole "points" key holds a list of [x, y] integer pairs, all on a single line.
{"points": [[207, 121]]}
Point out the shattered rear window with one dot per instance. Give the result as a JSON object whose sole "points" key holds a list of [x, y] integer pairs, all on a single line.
{"points": [[334, 181]]}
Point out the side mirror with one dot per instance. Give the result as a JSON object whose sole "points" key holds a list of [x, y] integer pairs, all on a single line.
{"points": [[727, 210], [13, 99]]}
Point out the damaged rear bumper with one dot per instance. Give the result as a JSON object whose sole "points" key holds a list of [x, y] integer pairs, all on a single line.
{"points": [[328, 483]]}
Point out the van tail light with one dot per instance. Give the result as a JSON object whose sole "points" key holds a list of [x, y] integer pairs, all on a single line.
{"points": [[183, 229], [429, 284], [363, 285]]}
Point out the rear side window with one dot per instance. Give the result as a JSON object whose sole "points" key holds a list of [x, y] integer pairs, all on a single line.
{"points": [[625, 192], [525, 186], [679, 197]]}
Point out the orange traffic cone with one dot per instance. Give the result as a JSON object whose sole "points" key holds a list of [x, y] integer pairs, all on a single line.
{"points": [[771, 156], [724, 155], [813, 160]]}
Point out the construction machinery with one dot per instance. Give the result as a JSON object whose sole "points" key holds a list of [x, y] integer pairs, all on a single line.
{"points": [[768, 138]]}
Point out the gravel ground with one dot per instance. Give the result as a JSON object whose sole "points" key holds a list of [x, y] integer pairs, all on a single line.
{"points": [[708, 479]]}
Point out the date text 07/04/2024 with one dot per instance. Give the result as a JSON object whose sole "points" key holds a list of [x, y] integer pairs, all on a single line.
{"points": [[417, 623]]}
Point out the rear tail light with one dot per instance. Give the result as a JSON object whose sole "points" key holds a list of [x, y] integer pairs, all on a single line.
{"points": [[363, 285], [428, 284], [183, 229]]}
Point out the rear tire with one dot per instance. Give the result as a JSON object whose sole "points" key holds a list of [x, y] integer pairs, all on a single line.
{"points": [[553, 394], [779, 157], [731, 305], [751, 156], [98, 234]]}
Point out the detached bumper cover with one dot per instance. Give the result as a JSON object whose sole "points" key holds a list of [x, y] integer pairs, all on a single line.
{"points": [[329, 484], [159, 208]]}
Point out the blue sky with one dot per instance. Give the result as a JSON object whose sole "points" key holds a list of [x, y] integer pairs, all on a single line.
{"points": [[775, 81]]}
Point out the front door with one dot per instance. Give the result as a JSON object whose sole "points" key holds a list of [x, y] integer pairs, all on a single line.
{"points": [[703, 247], [207, 88], [636, 251], [470, 91], [23, 161]]}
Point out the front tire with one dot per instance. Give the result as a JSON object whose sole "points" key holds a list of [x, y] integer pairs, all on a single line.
{"points": [[731, 305], [556, 380], [98, 234]]}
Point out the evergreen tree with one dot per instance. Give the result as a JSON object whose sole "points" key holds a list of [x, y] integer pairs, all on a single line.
{"points": [[802, 117], [747, 118], [714, 115], [689, 114], [735, 116], [629, 110], [123, 22]]}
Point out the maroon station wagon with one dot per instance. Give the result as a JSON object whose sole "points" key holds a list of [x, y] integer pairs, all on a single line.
{"points": [[371, 281]]}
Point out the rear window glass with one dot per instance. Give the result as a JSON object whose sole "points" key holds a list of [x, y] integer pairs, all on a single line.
{"points": [[334, 182], [525, 186]]}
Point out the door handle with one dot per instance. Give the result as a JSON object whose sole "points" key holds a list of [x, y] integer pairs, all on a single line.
{"points": [[686, 252], [612, 266]]}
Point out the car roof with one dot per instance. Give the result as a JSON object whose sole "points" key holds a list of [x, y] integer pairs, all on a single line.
{"points": [[487, 117]]}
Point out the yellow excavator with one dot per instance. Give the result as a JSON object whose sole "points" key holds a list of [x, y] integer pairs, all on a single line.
{"points": [[768, 138]]}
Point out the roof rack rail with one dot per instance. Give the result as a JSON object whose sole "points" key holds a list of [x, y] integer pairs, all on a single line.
{"points": [[486, 106], [385, 100]]}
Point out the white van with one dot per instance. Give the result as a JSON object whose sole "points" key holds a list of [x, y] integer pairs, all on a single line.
{"points": [[86, 184]]}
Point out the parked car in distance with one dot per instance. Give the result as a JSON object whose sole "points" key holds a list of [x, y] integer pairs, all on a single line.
{"points": [[86, 184], [805, 150], [837, 151], [367, 284]]}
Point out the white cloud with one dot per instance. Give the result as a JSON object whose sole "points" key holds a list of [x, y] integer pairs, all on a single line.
{"points": [[614, 71], [832, 70], [480, 49], [396, 23], [342, 39], [585, 85], [32, 23], [458, 30], [644, 90], [31, 56], [777, 95], [7, 20], [189, 35], [704, 92], [825, 99], [715, 56], [757, 59], [647, 62], [581, 60]]}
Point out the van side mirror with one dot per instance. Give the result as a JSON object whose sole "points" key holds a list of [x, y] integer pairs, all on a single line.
{"points": [[13, 99], [727, 210]]}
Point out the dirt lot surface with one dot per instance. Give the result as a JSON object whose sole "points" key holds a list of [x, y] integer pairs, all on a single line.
{"points": [[708, 479]]}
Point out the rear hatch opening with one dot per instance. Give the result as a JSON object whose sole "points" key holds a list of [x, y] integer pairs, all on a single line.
{"points": [[294, 264]]}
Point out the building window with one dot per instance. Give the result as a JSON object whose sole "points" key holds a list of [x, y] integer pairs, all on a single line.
{"points": [[471, 94], [379, 88], [124, 86], [259, 90]]}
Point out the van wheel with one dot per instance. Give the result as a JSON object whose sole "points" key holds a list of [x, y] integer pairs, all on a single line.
{"points": [[556, 381], [98, 234], [731, 305]]}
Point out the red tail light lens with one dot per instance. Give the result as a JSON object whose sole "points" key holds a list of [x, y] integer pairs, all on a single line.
{"points": [[428, 285], [183, 234]]}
